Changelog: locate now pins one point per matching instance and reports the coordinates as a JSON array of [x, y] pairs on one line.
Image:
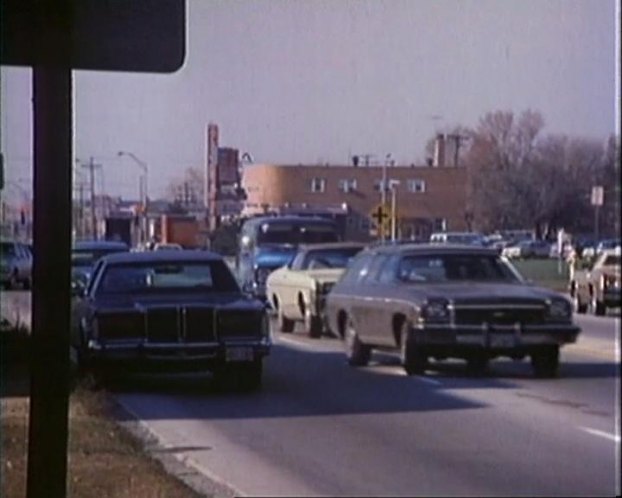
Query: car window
[[374, 268], [612, 260], [357, 269], [454, 267], [389, 269], [167, 276], [297, 262], [329, 258]]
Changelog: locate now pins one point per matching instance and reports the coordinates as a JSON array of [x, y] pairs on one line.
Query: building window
[[318, 185], [347, 185], [364, 224], [416, 186]]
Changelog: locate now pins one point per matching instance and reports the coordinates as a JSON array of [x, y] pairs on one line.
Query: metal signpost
[[54, 37]]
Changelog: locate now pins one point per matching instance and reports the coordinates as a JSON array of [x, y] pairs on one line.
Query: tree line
[[522, 178]]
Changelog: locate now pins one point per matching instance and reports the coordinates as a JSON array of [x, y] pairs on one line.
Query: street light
[[142, 188]]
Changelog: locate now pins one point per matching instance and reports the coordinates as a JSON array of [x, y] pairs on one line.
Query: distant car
[[528, 249], [15, 265], [598, 284], [85, 253], [447, 301], [607, 244], [175, 310], [167, 246], [470, 238], [297, 292]]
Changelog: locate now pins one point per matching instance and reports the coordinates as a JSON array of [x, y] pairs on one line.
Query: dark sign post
[[54, 36], [49, 365]]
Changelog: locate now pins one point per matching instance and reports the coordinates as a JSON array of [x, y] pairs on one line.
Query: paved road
[[320, 427]]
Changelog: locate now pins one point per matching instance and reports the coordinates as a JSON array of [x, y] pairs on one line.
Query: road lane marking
[[606, 435], [427, 380]]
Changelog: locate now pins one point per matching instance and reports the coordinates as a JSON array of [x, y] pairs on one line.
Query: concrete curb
[[178, 465]]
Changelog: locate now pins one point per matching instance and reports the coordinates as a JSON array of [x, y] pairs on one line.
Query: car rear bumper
[[143, 356], [494, 339]]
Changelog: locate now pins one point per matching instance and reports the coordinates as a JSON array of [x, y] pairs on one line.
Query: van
[[269, 242]]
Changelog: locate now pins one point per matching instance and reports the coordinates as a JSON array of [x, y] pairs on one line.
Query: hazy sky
[[302, 81]]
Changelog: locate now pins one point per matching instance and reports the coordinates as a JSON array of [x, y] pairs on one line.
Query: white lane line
[[427, 380], [606, 435], [303, 345]]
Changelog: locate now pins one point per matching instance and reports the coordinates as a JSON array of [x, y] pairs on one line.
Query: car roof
[[288, 219], [91, 245], [435, 249], [331, 245], [162, 257]]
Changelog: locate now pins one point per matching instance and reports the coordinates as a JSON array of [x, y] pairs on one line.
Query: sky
[[310, 81]]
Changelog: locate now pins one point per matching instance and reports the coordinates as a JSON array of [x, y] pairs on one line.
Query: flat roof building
[[428, 198]]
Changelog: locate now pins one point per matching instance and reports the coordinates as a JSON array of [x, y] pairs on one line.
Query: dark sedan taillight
[[120, 325]]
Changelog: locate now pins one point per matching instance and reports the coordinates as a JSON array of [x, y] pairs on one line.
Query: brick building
[[428, 198]]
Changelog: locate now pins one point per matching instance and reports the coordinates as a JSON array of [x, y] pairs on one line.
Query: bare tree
[[188, 188]]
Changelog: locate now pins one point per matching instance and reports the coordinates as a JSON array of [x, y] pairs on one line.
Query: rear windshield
[[85, 257], [213, 276], [454, 267], [612, 260], [329, 258]]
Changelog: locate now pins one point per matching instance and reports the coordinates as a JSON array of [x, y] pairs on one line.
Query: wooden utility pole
[[91, 166]]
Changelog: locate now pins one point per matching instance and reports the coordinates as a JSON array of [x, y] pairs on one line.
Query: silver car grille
[[495, 314]]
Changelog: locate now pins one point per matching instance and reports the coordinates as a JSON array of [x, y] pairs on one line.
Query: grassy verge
[[104, 459], [544, 272]]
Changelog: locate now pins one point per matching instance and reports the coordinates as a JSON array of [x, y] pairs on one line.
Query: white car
[[297, 292]]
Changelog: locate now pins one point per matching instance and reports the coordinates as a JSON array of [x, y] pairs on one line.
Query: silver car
[[15, 265]]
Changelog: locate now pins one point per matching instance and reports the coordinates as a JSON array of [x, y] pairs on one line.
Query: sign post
[[597, 198], [381, 217]]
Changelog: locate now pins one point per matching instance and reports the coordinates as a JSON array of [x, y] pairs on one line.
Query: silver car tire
[[357, 353]]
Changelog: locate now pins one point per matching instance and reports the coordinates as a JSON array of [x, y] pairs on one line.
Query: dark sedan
[[170, 310], [447, 301], [85, 253]]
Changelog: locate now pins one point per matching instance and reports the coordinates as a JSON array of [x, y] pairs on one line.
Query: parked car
[[15, 265], [447, 301], [176, 310], [85, 254], [298, 291], [597, 284], [528, 249]]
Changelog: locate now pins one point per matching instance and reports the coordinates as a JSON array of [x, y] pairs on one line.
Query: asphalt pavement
[[320, 427]]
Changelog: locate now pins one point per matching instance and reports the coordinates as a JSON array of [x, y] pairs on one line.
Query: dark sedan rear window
[[167, 276], [454, 267]]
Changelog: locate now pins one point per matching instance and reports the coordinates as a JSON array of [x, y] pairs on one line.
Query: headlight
[[560, 309], [435, 311]]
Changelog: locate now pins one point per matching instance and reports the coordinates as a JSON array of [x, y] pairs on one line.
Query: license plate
[[239, 354], [502, 341]]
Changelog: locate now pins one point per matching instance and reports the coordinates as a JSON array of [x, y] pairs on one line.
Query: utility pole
[[92, 167]]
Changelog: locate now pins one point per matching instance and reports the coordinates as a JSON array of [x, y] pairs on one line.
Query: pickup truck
[[597, 285]]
